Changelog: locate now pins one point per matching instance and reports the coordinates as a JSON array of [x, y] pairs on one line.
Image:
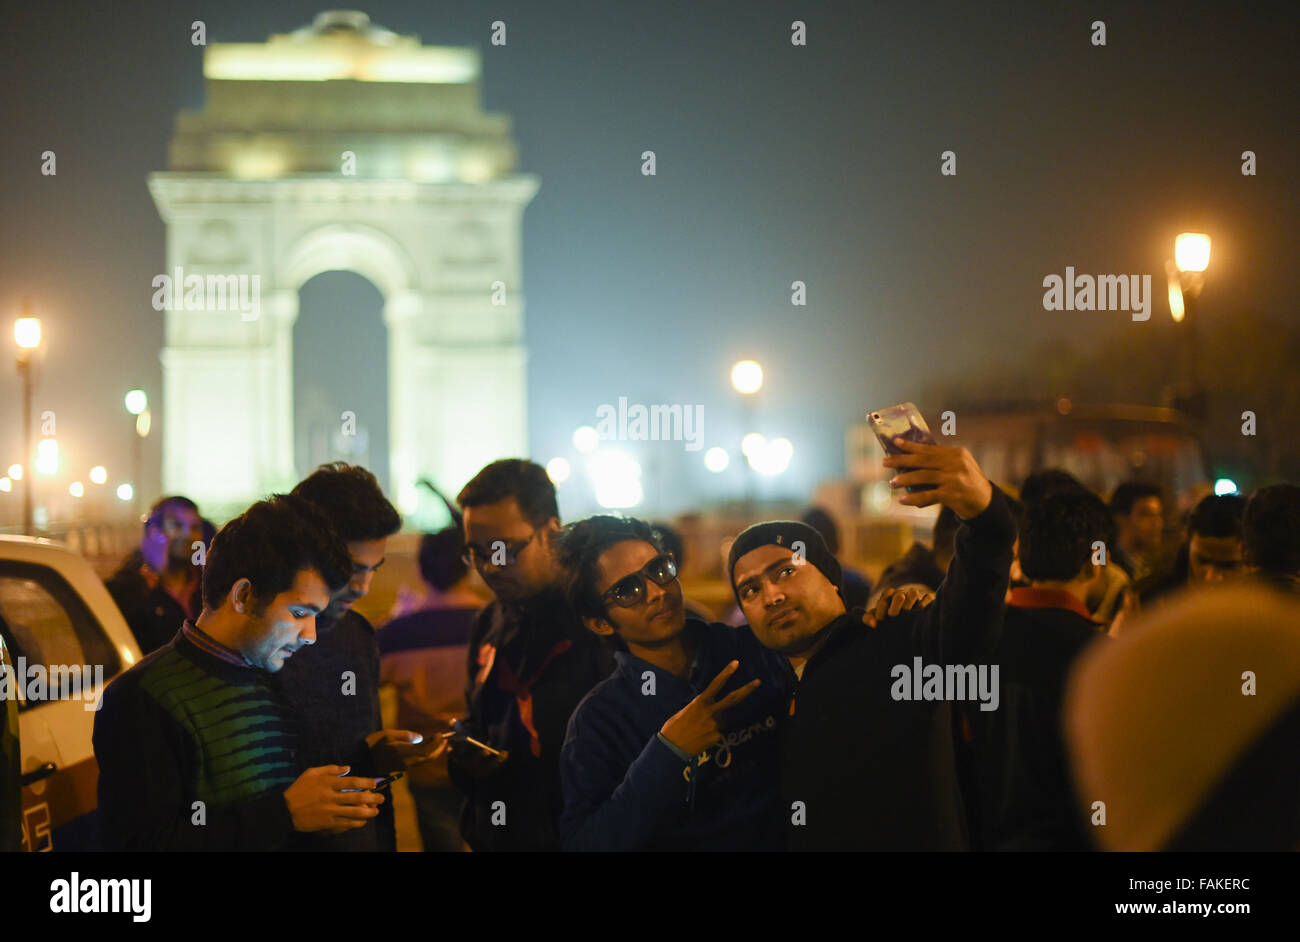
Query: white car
[[66, 640]]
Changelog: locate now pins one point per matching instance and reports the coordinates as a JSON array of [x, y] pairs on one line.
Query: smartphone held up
[[901, 421]]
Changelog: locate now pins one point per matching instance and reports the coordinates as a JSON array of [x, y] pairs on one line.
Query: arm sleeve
[[460, 772], [145, 801], [966, 615], [607, 808]]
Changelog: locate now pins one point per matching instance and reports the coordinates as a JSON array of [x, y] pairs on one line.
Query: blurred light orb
[[47, 456], [27, 332], [98, 474], [618, 479], [752, 444], [558, 470], [136, 401], [586, 439], [76, 489], [1192, 251], [1177, 308], [747, 377], [716, 459], [16, 472], [1225, 486], [6, 485], [125, 492], [773, 458]]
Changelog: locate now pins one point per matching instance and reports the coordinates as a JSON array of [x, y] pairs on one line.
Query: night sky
[[775, 163]]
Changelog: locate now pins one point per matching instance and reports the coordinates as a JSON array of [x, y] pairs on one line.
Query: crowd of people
[[981, 696]]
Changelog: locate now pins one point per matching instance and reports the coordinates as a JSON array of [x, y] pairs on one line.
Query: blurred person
[[1046, 482], [869, 767], [530, 662], [676, 547], [678, 749], [1212, 551], [1186, 727], [1023, 783], [1271, 536], [195, 750], [1138, 509], [422, 653], [921, 564], [332, 688], [857, 587], [159, 585], [1113, 597]]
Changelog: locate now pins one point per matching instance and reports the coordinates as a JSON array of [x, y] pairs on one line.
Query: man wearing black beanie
[[867, 763]]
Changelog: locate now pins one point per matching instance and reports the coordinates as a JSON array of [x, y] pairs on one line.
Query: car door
[[62, 658]]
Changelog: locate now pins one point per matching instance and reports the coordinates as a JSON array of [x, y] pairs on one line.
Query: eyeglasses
[[631, 589], [474, 555]]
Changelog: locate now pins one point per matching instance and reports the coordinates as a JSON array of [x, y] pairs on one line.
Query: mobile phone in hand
[[901, 421], [387, 780]]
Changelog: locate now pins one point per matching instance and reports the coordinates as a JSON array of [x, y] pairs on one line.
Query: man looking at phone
[[530, 663], [862, 770], [332, 687], [195, 750]]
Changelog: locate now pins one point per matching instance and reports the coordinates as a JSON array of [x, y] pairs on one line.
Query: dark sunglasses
[[631, 589]]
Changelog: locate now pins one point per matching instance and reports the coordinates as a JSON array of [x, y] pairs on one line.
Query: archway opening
[[340, 375]]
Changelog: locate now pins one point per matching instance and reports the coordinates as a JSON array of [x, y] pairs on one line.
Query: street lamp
[[1186, 276], [27, 334], [747, 377], [137, 403]]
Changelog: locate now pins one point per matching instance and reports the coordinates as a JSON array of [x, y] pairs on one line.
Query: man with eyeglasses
[[530, 663]]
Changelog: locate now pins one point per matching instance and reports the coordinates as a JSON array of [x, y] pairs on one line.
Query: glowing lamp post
[[1186, 276], [137, 403], [27, 335]]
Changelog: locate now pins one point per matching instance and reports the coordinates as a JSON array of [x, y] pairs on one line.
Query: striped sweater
[[195, 752]]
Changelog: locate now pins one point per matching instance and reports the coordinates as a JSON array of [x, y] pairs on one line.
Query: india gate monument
[[342, 146]]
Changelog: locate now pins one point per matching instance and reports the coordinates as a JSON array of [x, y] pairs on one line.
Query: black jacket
[[153, 616], [1025, 794], [871, 772], [332, 690], [529, 667]]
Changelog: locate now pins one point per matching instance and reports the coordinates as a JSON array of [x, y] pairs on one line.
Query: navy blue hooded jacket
[[624, 789]]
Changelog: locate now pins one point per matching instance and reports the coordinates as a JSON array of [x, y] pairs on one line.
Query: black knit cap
[[786, 533]]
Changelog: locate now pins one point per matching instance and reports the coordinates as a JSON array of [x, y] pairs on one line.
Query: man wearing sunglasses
[[678, 749], [863, 765], [530, 663]]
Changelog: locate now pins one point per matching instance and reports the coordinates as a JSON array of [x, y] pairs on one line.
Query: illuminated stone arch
[[432, 217]]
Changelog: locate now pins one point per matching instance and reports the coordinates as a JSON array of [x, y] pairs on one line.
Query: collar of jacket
[[1032, 597]]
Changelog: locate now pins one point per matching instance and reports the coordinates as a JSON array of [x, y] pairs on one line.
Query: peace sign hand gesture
[[695, 727]]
